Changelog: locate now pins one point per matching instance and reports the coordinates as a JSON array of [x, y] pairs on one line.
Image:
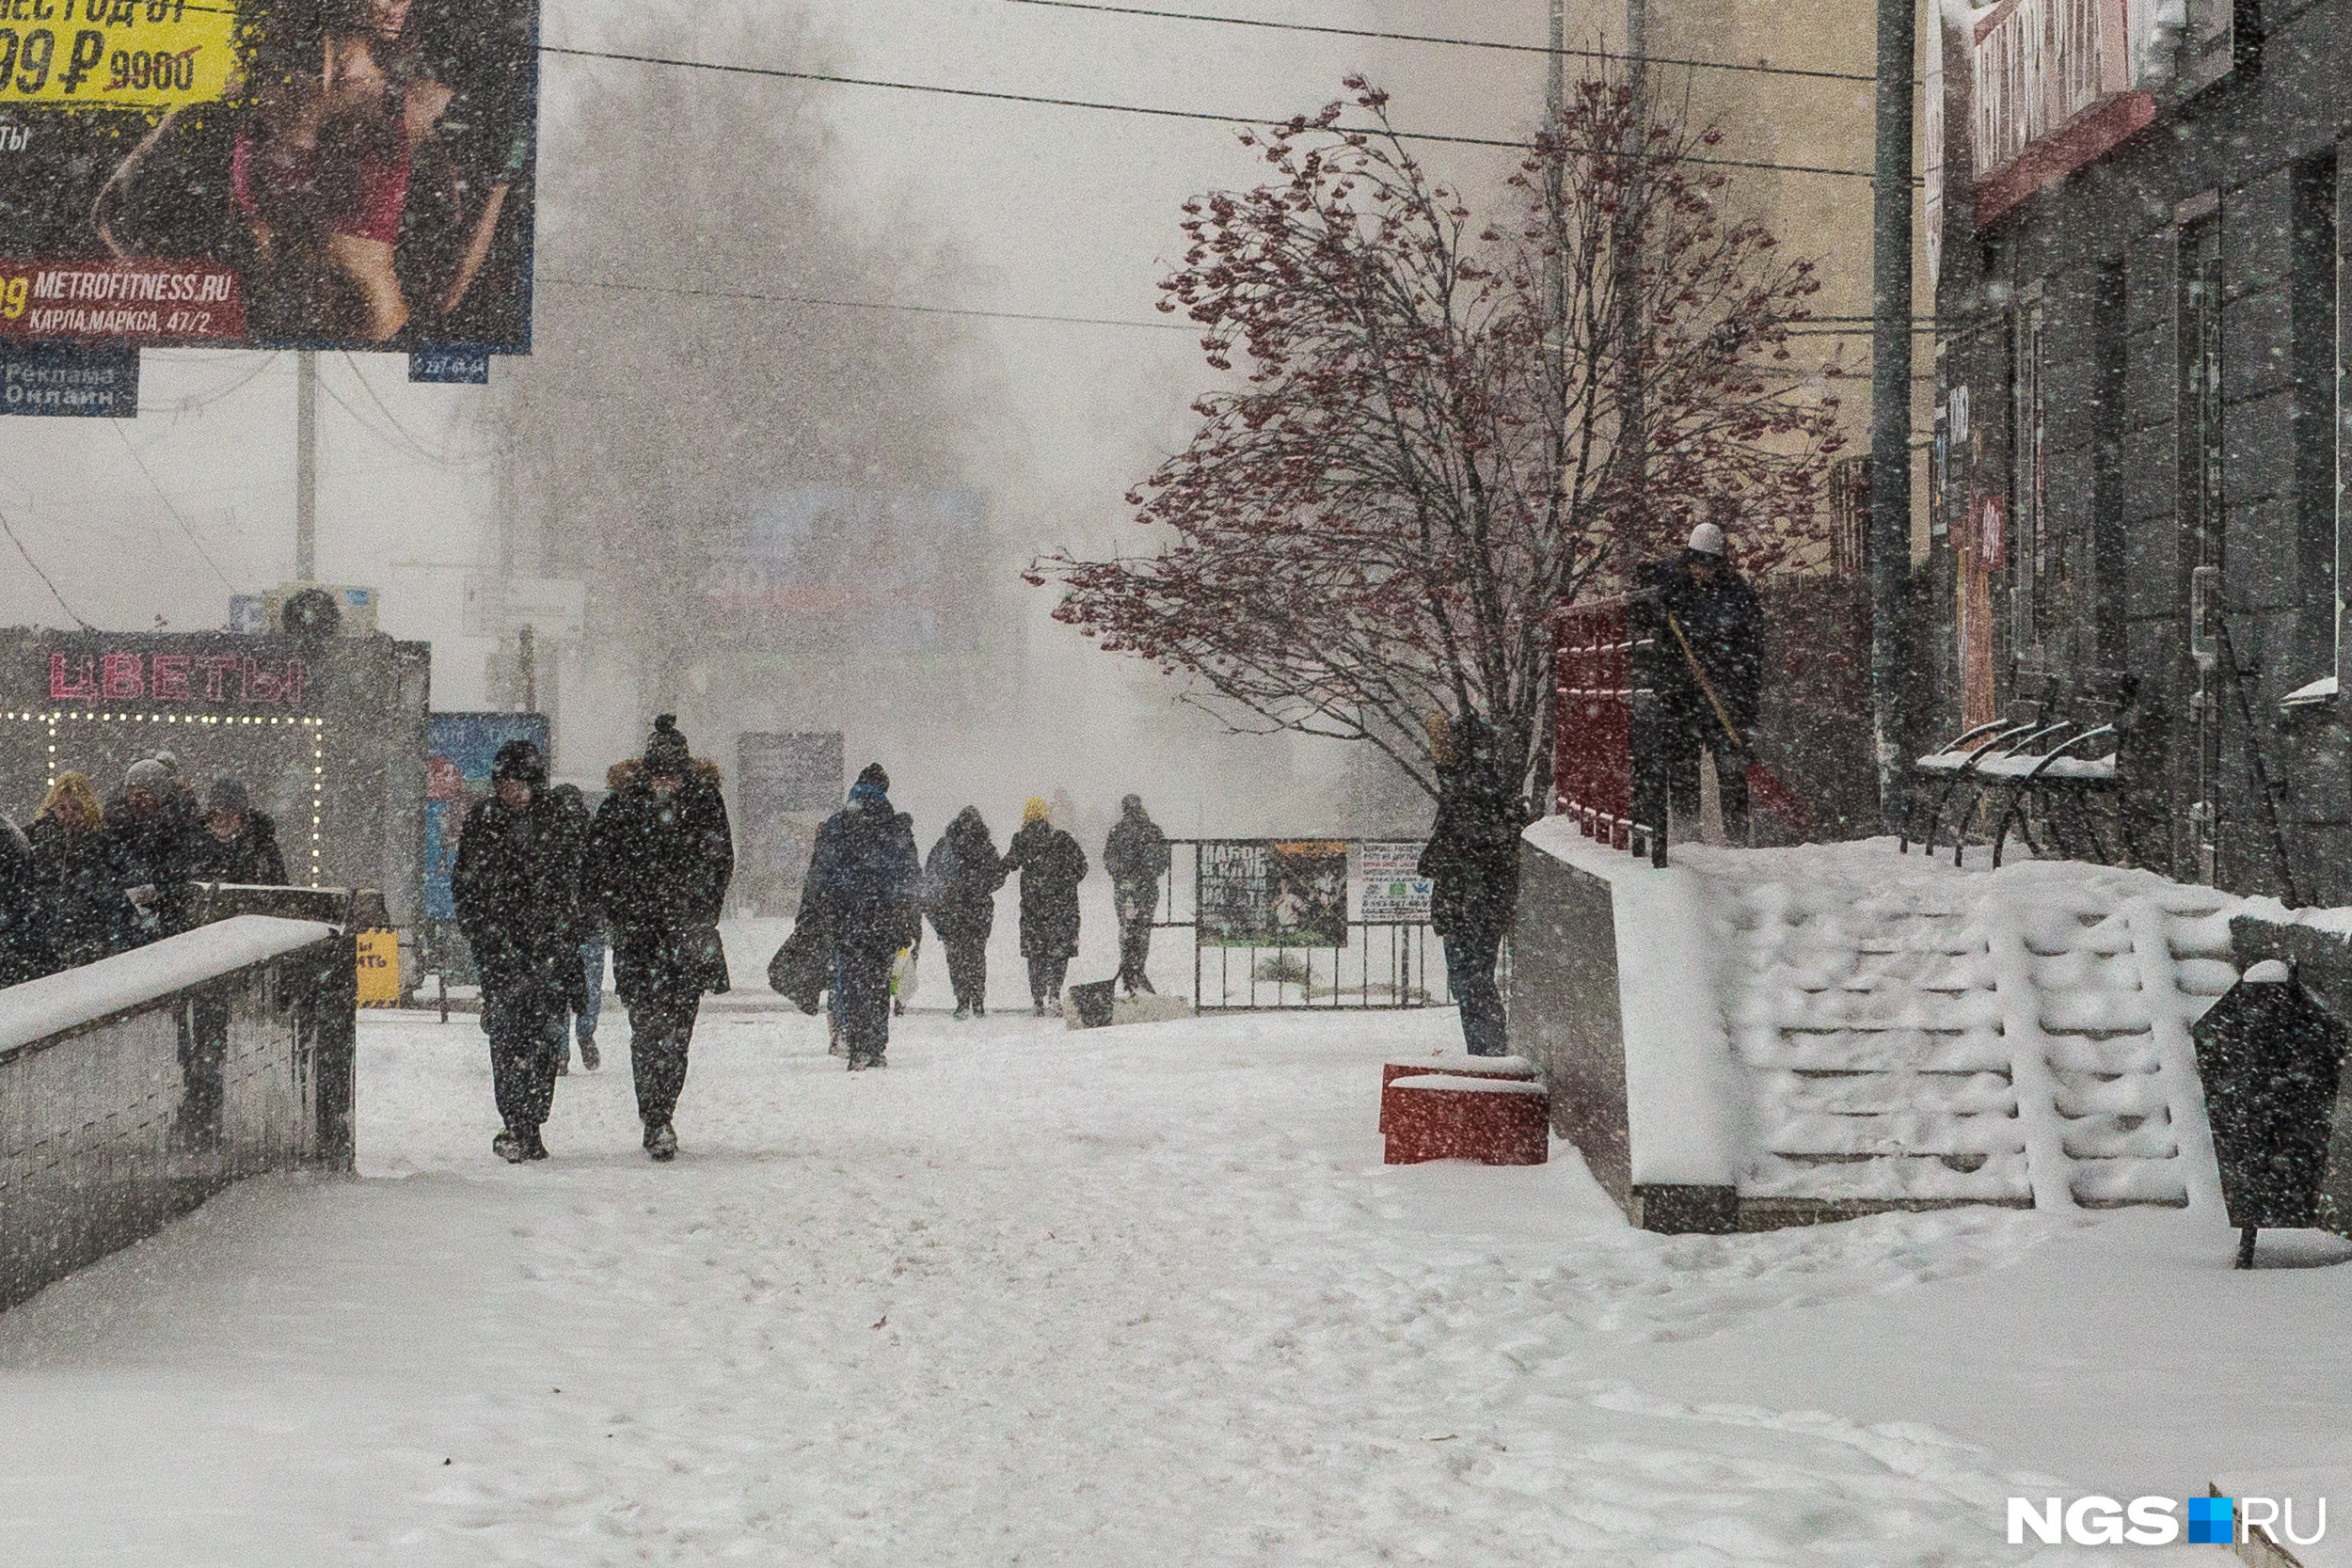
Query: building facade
[[2140, 429]]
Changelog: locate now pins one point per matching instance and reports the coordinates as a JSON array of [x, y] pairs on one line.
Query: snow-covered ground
[[1142, 1296]]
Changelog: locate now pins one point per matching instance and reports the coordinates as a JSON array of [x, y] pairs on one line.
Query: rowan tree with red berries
[[1428, 447]]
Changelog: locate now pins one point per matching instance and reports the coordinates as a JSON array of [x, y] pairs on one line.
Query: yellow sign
[[116, 53], [379, 968]]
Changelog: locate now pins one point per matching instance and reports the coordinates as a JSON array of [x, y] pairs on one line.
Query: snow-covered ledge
[[58, 1004]]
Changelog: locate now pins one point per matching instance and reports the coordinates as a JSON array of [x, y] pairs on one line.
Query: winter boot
[[661, 1141], [535, 1148], [857, 1064], [564, 1066], [590, 1057], [509, 1147]]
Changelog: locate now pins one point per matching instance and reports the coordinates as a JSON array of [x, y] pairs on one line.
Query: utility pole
[[1890, 398], [1633, 327], [306, 466]]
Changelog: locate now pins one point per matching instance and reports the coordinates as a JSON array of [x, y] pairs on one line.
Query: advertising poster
[[1394, 889], [787, 785], [63, 381], [328, 173], [1256, 893], [460, 748]]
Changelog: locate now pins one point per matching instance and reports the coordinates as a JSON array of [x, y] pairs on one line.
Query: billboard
[[786, 786], [1255, 893], [902, 573], [327, 173]]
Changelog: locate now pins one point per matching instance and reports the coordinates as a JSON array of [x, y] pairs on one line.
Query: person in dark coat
[[961, 877], [151, 833], [1051, 865], [238, 844], [84, 915], [1472, 862], [660, 860], [1136, 858], [865, 890], [1722, 621], [588, 996], [517, 887], [24, 924]]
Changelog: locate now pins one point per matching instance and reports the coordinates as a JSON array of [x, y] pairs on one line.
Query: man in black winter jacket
[[660, 857], [865, 889], [1472, 862], [517, 887], [1707, 620], [1136, 858], [150, 838], [238, 844]]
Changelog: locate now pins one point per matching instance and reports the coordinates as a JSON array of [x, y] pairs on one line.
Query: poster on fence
[[1258, 892], [1394, 889]]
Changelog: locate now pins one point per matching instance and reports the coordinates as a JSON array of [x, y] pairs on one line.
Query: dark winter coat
[[23, 922], [960, 877], [159, 852], [517, 887], [1724, 625], [251, 856], [1051, 865], [1472, 857], [1136, 856], [83, 914], [658, 870], [865, 887]]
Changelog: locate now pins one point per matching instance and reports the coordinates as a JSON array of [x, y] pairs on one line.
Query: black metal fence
[[1275, 932]]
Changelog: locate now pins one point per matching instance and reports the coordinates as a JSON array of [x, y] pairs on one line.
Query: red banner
[[121, 301]]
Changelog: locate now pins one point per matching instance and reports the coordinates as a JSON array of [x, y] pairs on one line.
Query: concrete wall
[[113, 1124]]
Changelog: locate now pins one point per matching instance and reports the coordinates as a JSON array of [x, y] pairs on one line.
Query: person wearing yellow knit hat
[[1051, 865]]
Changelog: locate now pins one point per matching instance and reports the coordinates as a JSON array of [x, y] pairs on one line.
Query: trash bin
[[2271, 1060]]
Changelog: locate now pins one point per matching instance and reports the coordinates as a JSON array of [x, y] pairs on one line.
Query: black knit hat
[[666, 752], [873, 774], [519, 760]]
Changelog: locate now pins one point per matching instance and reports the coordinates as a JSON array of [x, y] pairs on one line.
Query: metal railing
[[1319, 950]]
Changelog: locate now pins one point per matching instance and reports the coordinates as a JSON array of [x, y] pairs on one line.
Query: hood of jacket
[[628, 775]]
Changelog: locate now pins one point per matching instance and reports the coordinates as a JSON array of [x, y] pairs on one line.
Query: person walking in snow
[[238, 844], [82, 913], [1051, 865], [516, 888], [660, 860], [1136, 858], [1472, 864], [865, 892], [961, 877], [1708, 622]]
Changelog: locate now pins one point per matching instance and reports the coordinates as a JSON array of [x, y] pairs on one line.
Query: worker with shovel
[[1706, 669]]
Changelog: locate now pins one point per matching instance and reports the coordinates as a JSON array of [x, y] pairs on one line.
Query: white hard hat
[[1707, 539]]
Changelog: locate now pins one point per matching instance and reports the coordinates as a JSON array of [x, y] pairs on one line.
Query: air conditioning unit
[[320, 610]]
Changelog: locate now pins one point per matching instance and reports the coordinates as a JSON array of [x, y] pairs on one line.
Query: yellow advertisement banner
[[116, 53], [379, 968]]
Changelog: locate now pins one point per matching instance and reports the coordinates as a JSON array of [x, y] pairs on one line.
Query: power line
[[10, 528], [414, 441], [857, 304], [160, 495], [1431, 37], [779, 74]]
